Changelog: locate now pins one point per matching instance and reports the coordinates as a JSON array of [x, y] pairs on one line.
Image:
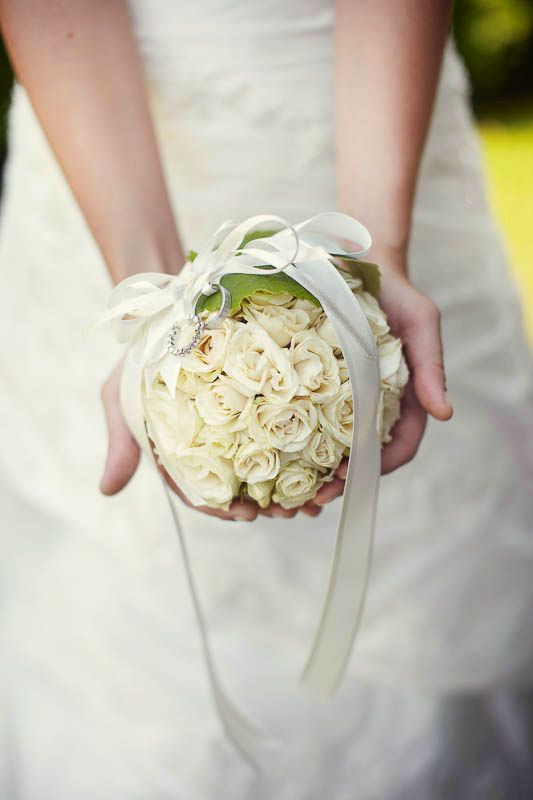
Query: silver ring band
[[225, 305]]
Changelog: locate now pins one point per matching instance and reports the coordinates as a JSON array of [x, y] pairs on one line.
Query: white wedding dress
[[105, 695]]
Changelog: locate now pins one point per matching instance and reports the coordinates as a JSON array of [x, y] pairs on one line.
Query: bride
[[134, 130]]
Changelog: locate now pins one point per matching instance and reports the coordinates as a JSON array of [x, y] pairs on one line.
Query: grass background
[[507, 136]]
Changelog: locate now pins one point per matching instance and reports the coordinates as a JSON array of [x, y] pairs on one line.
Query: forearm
[[78, 61], [387, 61]]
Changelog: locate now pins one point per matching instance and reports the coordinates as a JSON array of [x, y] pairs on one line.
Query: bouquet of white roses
[[263, 404], [254, 371]]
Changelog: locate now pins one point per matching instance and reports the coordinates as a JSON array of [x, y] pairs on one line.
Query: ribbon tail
[[344, 601], [247, 738]]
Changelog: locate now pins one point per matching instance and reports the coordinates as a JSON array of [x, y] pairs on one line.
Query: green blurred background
[[495, 38]]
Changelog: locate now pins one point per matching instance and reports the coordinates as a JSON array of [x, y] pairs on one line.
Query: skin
[[384, 92], [95, 114]]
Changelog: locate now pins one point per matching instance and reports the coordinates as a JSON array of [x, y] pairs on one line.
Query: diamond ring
[[173, 336]]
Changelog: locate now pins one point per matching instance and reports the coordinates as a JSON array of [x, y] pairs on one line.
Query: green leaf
[[191, 255], [250, 237], [367, 272], [241, 286]]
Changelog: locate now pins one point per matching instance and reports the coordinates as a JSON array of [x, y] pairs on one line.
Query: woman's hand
[[123, 458], [416, 320]]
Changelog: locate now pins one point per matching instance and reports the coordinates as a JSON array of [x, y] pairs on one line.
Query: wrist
[[151, 255], [390, 258], [387, 215]]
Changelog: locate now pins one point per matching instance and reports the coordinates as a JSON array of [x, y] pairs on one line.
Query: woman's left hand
[[416, 320]]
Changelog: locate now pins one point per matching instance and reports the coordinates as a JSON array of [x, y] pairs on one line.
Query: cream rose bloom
[[343, 370], [392, 365], [253, 360], [281, 385], [189, 383], [221, 441], [313, 311], [173, 421], [261, 492], [207, 359], [324, 450], [355, 284], [278, 321], [377, 319], [388, 414], [325, 330], [296, 483], [255, 463], [285, 427], [262, 298], [222, 403], [212, 476], [394, 377], [336, 416], [316, 366]]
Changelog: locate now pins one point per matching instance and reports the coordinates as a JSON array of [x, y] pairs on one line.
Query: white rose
[[260, 492], [255, 463], [313, 311], [296, 483], [221, 441], [324, 329], [377, 319], [324, 450], [316, 366], [343, 370], [208, 356], [253, 359], [263, 298], [285, 427], [355, 284], [211, 476], [280, 322], [223, 403], [392, 366], [336, 416], [281, 384], [189, 382], [388, 414], [173, 421]]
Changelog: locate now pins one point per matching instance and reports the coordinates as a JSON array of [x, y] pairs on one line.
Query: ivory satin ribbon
[[153, 303]]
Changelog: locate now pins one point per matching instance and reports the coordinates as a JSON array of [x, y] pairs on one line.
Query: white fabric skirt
[[105, 690]]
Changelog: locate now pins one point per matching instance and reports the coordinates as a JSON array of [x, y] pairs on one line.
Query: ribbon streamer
[[144, 308]]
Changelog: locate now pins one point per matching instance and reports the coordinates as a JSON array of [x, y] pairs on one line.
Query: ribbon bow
[[146, 307]]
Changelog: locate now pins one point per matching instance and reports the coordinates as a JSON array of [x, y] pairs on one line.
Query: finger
[[246, 513], [239, 510], [406, 434], [423, 347], [311, 509], [342, 469], [329, 492], [123, 452], [275, 510], [243, 510]]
